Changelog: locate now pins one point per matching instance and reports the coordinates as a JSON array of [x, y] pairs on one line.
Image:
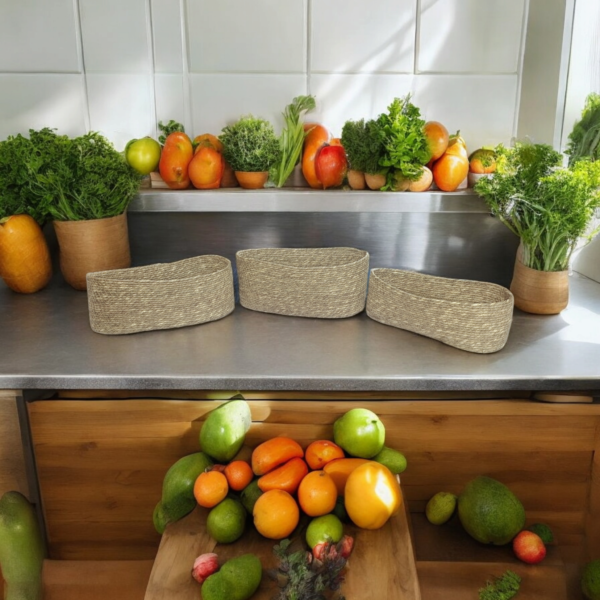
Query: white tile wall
[[257, 36], [206, 63], [348, 37], [38, 101], [219, 100], [461, 36], [38, 36]]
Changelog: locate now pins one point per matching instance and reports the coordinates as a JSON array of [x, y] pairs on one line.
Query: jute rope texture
[[325, 283], [160, 296], [470, 315]]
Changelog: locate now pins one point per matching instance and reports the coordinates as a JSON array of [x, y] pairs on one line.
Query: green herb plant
[[89, 180], [22, 161], [301, 577], [501, 588], [584, 140], [364, 145], [548, 207], [250, 145], [291, 139], [167, 129], [405, 146]]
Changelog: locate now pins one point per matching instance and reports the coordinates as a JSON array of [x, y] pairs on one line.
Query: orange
[[210, 488], [437, 138], [317, 494], [276, 514], [239, 474], [320, 452], [340, 470]]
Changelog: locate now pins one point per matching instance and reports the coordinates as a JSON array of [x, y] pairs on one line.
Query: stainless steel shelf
[[305, 200]]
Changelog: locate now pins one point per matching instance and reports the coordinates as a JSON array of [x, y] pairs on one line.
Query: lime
[[359, 432], [226, 521], [237, 579], [543, 531], [590, 580], [250, 494], [327, 528], [440, 508], [394, 460]]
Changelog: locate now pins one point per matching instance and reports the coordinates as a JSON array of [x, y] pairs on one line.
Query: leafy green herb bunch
[[89, 180], [23, 160], [364, 147], [405, 146], [250, 145], [550, 208], [584, 139]]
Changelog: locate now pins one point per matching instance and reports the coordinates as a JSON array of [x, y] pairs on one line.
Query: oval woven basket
[[161, 296], [326, 283], [470, 315]]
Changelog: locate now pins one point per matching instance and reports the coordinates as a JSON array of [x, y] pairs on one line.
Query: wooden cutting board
[[382, 564]]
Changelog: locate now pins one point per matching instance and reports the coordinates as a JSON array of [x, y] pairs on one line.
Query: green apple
[[359, 432], [143, 155]]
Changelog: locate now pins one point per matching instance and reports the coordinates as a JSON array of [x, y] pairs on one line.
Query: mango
[[237, 579], [224, 430]]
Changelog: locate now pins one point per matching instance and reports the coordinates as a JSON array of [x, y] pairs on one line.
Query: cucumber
[[178, 489], [21, 548]]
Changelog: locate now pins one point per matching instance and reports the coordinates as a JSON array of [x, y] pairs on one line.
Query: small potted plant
[[251, 147], [86, 193], [364, 148], [550, 209]]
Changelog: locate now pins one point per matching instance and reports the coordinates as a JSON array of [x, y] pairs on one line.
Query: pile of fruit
[[283, 488]]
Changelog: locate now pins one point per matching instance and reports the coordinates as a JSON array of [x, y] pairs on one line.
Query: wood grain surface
[[101, 463], [12, 463], [382, 564]]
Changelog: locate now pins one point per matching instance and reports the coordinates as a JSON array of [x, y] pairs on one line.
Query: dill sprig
[[302, 577], [501, 588]]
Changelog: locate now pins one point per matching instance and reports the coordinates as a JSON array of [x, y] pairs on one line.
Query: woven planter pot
[[94, 245], [470, 315], [161, 296], [326, 283]]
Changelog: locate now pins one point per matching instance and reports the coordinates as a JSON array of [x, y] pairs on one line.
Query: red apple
[[529, 547], [331, 165]]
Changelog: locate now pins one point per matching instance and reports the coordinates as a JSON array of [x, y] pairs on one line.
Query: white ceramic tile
[[166, 32], [343, 97], [169, 94], [38, 101], [115, 36], [218, 100], [121, 106], [36, 35], [587, 260], [257, 36], [353, 36], [481, 107], [470, 35]]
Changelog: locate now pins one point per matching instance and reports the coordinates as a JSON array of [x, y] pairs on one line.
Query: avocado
[[237, 579]]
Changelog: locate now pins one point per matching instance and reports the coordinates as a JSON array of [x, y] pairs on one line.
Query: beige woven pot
[[161, 296], [326, 283], [94, 245], [470, 315], [540, 292]]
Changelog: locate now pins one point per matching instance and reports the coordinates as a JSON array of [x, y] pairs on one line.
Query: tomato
[[206, 168], [457, 146], [482, 161], [331, 165], [207, 139], [317, 136], [143, 155], [174, 160], [450, 171], [437, 138]]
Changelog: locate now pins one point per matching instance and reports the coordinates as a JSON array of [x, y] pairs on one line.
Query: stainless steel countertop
[[305, 200], [46, 343]]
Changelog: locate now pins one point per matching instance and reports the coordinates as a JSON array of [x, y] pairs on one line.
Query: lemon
[[226, 521], [440, 508]]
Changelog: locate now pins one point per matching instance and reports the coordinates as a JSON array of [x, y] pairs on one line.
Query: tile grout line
[[520, 67], [187, 111], [150, 33], [87, 117], [308, 46]]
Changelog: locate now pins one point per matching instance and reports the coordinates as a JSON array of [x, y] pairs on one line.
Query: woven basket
[[470, 315], [161, 296], [326, 283]]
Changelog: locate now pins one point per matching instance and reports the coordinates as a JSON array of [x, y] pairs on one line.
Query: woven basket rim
[[507, 294], [241, 253], [114, 275]]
